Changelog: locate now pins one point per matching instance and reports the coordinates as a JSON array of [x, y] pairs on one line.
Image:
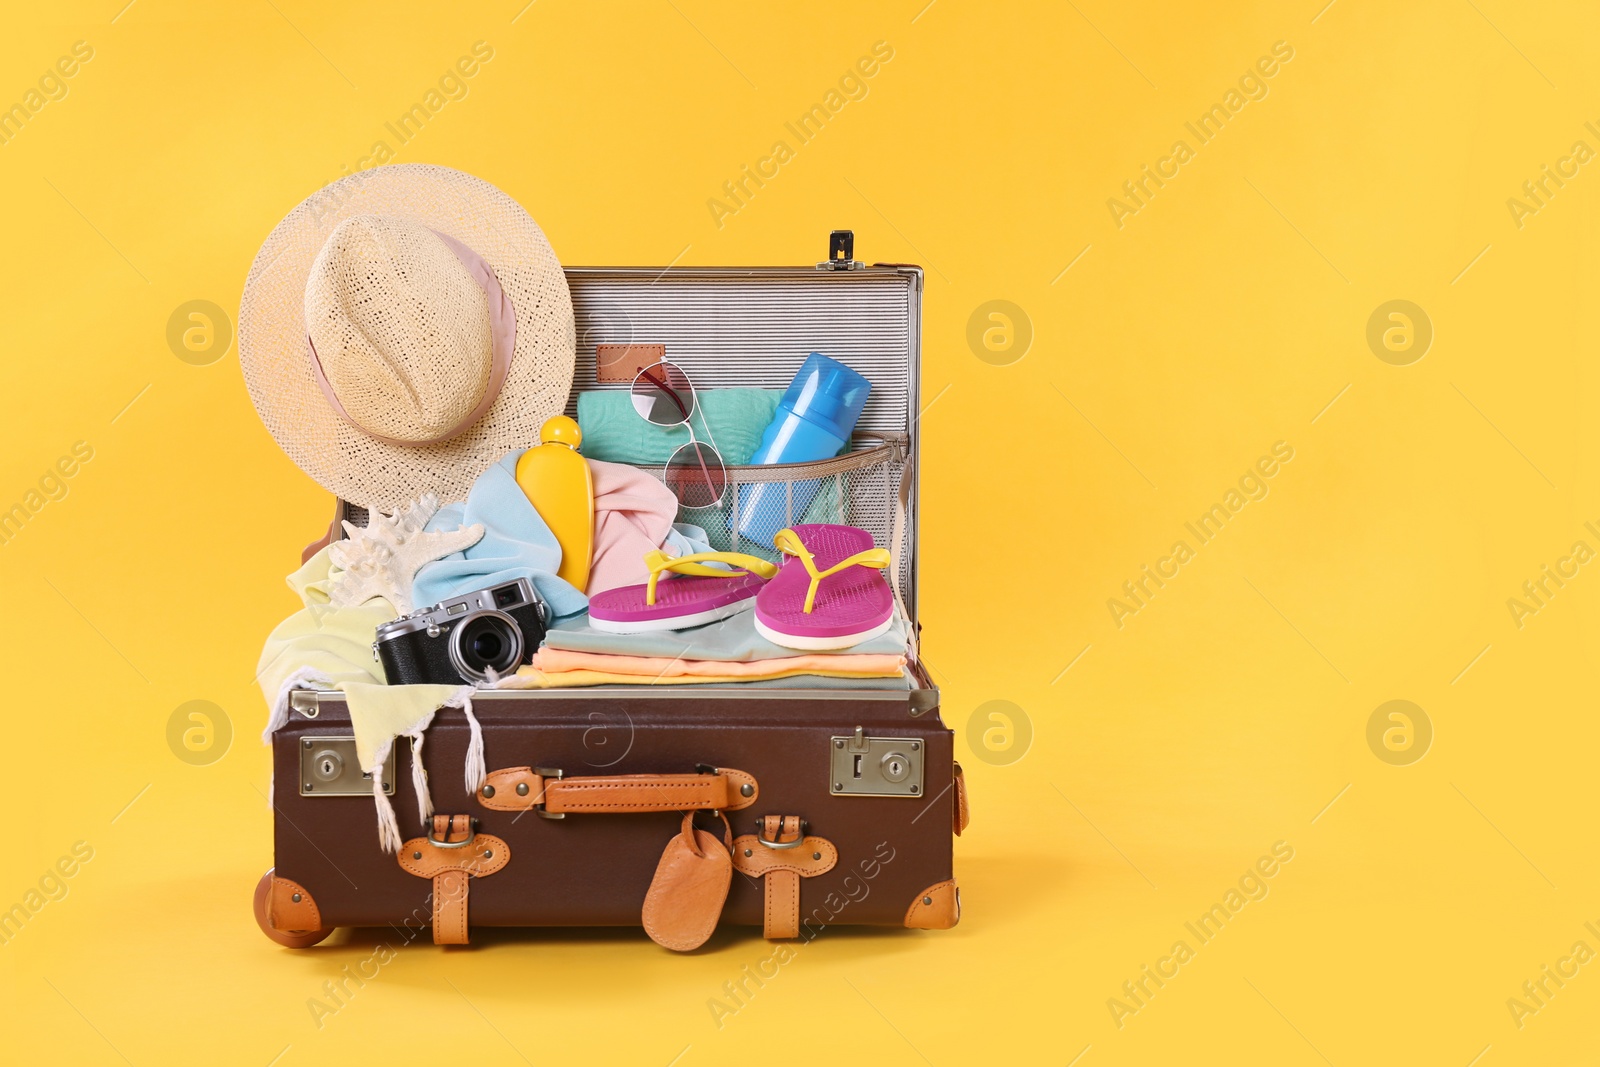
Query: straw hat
[[402, 330]]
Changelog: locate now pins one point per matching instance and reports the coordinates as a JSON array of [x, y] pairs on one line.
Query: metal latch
[[841, 252], [329, 768], [876, 766]]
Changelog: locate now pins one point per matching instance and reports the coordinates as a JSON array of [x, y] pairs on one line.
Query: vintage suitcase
[[840, 803]]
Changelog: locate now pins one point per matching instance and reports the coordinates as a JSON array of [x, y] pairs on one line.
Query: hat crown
[[400, 327]]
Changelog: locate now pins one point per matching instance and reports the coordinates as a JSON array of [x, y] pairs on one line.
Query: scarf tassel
[[476, 770], [388, 825], [419, 779]]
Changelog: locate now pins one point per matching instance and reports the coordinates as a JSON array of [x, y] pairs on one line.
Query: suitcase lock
[[329, 768], [875, 766]]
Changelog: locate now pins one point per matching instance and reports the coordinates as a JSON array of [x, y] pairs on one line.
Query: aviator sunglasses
[[664, 396]]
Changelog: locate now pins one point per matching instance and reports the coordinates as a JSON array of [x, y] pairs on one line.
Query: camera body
[[465, 638]]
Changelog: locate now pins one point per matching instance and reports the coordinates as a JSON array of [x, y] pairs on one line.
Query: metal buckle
[[706, 768], [472, 824], [538, 809], [841, 251], [779, 846]]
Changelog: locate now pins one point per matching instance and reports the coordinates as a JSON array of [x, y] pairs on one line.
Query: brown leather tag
[[686, 895], [622, 363]]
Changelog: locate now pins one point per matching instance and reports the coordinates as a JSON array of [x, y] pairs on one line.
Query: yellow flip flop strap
[[788, 541], [657, 561]]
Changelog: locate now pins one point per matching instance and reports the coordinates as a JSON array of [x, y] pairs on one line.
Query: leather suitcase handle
[[551, 794]]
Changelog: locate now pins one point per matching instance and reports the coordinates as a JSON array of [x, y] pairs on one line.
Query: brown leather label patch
[[622, 363], [813, 856], [686, 895], [483, 857]]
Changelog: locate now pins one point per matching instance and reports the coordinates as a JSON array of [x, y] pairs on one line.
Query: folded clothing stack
[[729, 650]]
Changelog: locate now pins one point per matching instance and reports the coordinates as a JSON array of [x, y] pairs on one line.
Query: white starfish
[[382, 558]]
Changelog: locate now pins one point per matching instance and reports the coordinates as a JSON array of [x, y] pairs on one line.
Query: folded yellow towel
[[322, 646]]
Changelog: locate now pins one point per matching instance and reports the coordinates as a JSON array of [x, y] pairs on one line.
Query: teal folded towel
[[615, 432]]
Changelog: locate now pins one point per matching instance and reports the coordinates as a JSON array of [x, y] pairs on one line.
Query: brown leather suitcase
[[610, 806]]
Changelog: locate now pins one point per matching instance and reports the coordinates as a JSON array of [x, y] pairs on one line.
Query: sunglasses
[[663, 396]]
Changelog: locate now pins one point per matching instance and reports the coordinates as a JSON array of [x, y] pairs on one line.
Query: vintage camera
[[465, 638]]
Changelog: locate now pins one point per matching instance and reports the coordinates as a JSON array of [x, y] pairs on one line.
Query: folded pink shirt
[[863, 665], [633, 514]]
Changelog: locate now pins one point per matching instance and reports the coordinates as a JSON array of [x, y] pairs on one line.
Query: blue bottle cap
[[827, 393]]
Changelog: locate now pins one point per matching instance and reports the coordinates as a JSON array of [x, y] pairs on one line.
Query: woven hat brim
[[272, 347]]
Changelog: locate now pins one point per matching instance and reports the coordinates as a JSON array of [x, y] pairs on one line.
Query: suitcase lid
[[754, 326]]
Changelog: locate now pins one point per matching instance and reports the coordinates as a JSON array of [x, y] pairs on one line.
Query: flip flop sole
[[821, 644], [680, 604], [676, 622]]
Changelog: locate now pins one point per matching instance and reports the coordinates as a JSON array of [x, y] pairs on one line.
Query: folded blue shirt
[[516, 543]]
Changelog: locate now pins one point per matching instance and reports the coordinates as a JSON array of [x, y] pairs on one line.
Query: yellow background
[[1228, 714]]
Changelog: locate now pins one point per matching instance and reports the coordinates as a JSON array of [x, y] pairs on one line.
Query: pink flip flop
[[830, 594], [713, 593]]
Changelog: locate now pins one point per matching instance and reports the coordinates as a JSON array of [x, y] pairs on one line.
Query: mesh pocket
[[860, 488]]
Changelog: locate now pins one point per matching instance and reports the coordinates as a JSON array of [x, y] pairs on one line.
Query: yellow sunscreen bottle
[[558, 484]]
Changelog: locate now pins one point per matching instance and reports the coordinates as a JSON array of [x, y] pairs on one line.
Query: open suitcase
[[839, 803]]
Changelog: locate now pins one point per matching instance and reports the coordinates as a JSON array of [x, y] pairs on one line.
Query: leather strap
[[963, 814], [781, 916], [450, 908], [524, 789], [781, 855], [452, 855]]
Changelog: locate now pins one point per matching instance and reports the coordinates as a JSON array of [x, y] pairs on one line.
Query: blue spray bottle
[[814, 421]]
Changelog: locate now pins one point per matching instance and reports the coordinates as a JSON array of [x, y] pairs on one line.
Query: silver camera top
[[507, 596]]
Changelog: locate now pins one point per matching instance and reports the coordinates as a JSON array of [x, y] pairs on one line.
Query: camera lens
[[487, 641]]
